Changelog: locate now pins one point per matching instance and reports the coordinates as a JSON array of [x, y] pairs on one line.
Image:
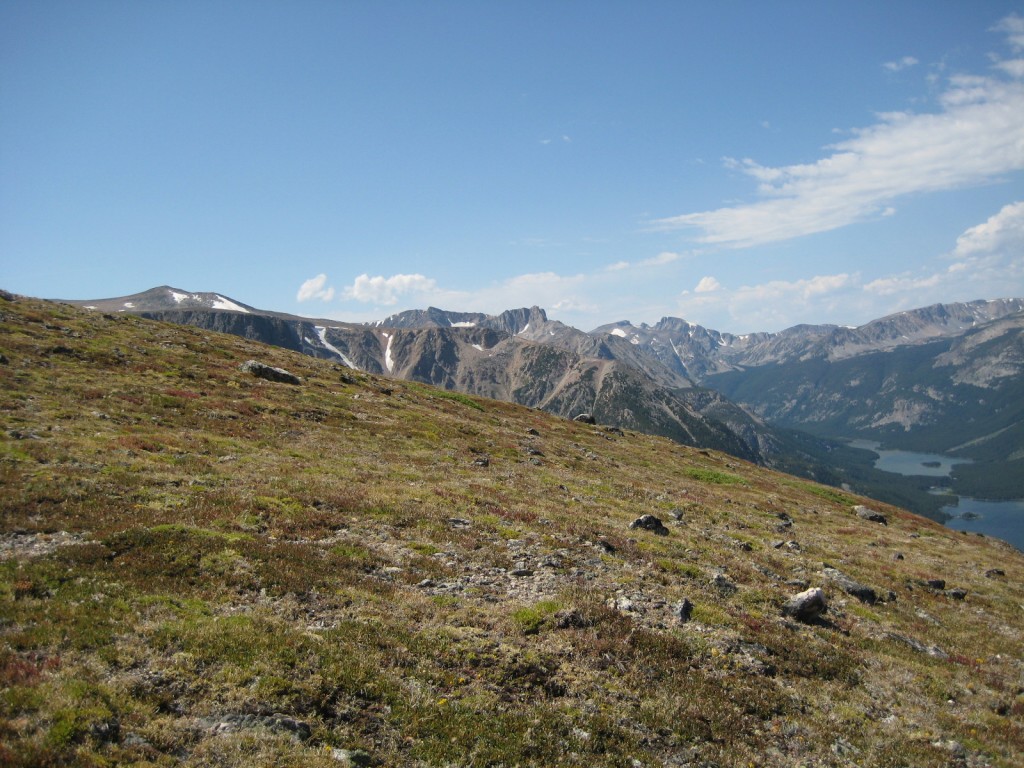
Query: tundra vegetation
[[202, 567]]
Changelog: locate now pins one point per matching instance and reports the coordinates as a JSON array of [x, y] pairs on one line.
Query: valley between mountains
[[299, 560]]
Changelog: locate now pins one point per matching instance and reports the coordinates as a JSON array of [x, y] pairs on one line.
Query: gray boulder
[[649, 523], [585, 418], [806, 606], [862, 592], [870, 515], [269, 372]]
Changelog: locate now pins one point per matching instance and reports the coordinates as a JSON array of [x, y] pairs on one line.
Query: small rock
[[585, 418], [649, 523], [993, 573], [957, 593], [684, 610], [458, 522], [352, 757], [862, 592], [426, 583], [936, 583], [869, 514], [722, 584], [897, 556], [571, 620], [531, 451], [676, 514], [533, 432], [482, 461], [807, 605], [606, 546], [269, 372]]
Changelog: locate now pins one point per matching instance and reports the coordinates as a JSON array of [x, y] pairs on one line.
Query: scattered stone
[[269, 372], [352, 757], [936, 583], [520, 570], [107, 731], [427, 583], [482, 461], [606, 546], [684, 610], [621, 604], [533, 432], [897, 556], [458, 522], [993, 573], [870, 515], [566, 619], [932, 650], [585, 418], [843, 748], [276, 722], [955, 748], [778, 544], [792, 546], [807, 605], [614, 431], [676, 514], [722, 584], [649, 523], [862, 592], [957, 593], [3, 359], [531, 451]]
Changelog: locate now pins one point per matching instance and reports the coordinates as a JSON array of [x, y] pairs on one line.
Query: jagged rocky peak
[[432, 317]]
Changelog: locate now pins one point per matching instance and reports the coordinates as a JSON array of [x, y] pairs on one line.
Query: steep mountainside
[[207, 563]]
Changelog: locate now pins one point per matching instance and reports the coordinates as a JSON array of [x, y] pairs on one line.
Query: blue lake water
[[908, 462], [1001, 519]]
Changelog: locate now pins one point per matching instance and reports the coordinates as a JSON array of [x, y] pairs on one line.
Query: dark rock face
[[269, 372], [806, 606]]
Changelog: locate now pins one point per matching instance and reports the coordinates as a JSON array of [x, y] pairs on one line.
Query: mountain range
[[943, 378]]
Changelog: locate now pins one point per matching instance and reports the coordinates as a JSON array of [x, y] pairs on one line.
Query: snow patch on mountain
[[222, 303], [321, 331]]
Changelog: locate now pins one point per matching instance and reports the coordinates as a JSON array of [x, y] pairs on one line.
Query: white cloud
[[385, 291], [663, 258], [707, 285], [1002, 232], [314, 288], [977, 135], [1013, 27], [904, 63], [985, 262]]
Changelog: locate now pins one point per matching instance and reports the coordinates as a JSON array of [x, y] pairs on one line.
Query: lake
[[908, 462], [1001, 519]]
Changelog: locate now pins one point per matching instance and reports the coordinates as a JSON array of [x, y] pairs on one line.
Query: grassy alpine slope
[[201, 567]]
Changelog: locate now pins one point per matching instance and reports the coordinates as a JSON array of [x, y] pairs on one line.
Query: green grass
[[332, 554]]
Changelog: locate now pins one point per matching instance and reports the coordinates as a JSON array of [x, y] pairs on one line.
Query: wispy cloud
[[663, 258], [385, 291], [985, 262], [315, 288], [976, 135], [901, 64]]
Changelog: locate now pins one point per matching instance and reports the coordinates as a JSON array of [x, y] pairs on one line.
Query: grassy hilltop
[[202, 567]]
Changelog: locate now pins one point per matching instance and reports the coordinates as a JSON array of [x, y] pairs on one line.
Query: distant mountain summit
[[165, 297]]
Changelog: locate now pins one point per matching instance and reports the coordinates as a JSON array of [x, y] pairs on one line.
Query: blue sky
[[743, 165]]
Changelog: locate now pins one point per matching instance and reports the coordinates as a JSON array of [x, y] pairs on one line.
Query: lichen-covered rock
[[807, 605], [862, 592], [269, 372], [870, 515]]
